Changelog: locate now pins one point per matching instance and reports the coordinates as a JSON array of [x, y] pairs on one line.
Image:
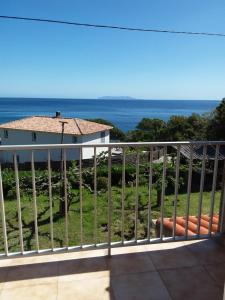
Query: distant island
[[116, 98]]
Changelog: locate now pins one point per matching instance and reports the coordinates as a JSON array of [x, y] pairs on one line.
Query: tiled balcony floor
[[181, 270]]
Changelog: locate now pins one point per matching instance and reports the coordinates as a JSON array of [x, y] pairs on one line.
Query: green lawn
[[88, 217]]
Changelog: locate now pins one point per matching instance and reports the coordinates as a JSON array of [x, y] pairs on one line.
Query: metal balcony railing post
[[137, 197], [215, 171], [176, 191], [150, 193], [65, 198], [202, 181], [34, 201], [123, 194], [163, 191], [81, 196], [95, 197], [50, 200], [18, 201], [109, 199], [2, 208], [189, 191], [221, 227]]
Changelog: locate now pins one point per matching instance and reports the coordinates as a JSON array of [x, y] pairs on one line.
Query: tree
[[216, 126], [169, 180], [148, 130], [115, 133], [181, 128], [135, 136], [198, 126], [153, 128], [177, 128]]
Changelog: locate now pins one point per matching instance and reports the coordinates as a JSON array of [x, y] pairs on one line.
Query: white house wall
[[19, 137], [94, 139]]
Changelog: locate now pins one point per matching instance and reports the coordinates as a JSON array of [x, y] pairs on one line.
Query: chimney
[[58, 114]]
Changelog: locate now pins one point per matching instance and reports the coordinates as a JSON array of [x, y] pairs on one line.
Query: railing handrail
[[110, 145]]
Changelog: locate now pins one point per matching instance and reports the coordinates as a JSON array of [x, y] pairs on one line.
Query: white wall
[[19, 137], [94, 139]]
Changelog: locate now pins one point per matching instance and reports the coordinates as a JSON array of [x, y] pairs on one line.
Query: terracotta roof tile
[[53, 125], [192, 224]]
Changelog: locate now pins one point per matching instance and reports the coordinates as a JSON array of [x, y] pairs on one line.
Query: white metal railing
[[137, 149]]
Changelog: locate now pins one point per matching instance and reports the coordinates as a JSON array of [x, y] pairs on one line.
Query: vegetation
[[195, 127], [88, 217], [216, 125], [116, 134], [73, 189], [177, 128]]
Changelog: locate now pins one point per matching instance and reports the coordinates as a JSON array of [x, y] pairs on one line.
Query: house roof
[[192, 224], [72, 126], [198, 152]]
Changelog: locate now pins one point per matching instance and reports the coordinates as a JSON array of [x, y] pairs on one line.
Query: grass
[[88, 216]]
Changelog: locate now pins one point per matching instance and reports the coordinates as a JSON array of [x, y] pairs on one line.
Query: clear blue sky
[[47, 60]]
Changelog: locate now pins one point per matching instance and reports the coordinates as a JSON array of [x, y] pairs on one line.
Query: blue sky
[[47, 60]]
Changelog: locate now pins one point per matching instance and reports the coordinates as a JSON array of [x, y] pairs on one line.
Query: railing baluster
[[65, 198], [150, 193], [109, 199], [123, 192], [137, 195], [221, 227], [2, 207], [163, 191], [95, 197], [81, 197], [215, 171], [176, 191], [18, 203], [202, 181], [50, 199], [189, 191], [34, 201]]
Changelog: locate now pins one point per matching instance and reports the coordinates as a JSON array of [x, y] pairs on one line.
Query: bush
[[102, 183]]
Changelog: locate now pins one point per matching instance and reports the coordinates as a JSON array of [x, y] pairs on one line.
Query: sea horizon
[[109, 99], [125, 116]]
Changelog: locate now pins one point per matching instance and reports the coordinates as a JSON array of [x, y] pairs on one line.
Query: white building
[[48, 130]]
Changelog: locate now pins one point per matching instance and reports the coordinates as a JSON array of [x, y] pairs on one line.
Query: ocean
[[123, 113]]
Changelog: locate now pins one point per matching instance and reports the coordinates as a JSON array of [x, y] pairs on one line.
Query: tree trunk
[[159, 192]]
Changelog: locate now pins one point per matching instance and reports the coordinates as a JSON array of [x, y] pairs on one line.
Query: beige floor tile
[[172, 245], [3, 275], [128, 249], [24, 260], [173, 258], [190, 283], [93, 289], [83, 268], [34, 292], [139, 286], [28, 274], [207, 251], [193, 241], [51, 257], [130, 263], [90, 253], [217, 272]]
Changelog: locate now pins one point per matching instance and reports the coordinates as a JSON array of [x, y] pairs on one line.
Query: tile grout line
[[210, 275], [165, 285], [158, 272]]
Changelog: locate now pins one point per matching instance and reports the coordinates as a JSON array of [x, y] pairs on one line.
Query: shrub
[[102, 183]]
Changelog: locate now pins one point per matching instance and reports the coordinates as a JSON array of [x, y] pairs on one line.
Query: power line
[[114, 27]]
